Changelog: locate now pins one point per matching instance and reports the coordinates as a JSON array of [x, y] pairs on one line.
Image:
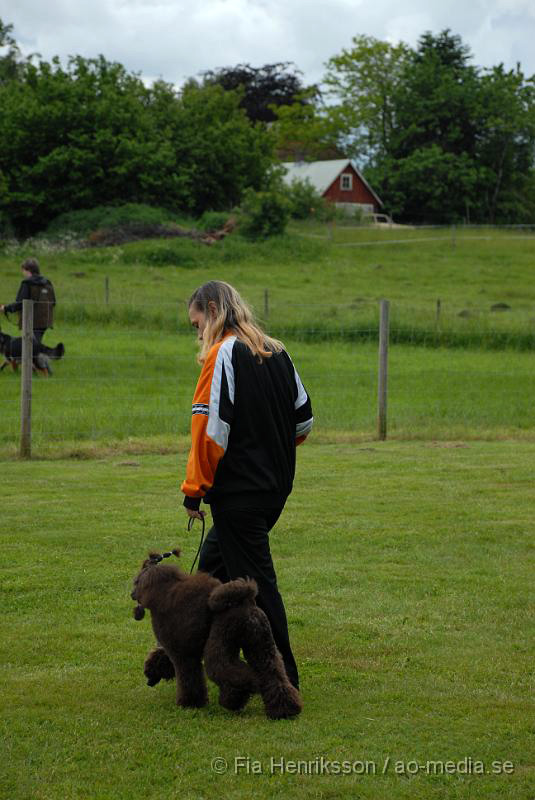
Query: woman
[[250, 410]]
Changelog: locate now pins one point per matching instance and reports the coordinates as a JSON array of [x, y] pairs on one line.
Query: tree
[[219, 152], [10, 61], [307, 129], [440, 139], [431, 185], [437, 97], [262, 89], [482, 123], [506, 144], [71, 138], [94, 134], [363, 82]]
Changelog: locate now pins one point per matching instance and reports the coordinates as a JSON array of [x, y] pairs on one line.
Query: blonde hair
[[231, 314]]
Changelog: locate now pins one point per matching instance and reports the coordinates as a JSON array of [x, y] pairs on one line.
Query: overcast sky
[[176, 39]]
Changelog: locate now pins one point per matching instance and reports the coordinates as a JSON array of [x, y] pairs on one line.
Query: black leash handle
[[190, 526]]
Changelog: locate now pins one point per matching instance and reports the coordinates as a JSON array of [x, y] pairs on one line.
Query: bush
[[131, 232], [304, 199], [306, 202], [183, 253], [263, 214], [85, 221], [212, 220]]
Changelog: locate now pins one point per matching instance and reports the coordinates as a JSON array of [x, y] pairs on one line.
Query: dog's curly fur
[[196, 616]]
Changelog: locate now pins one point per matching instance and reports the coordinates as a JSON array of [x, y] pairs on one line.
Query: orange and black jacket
[[247, 418]]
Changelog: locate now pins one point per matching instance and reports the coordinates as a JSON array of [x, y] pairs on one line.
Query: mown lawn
[[407, 571], [407, 567]]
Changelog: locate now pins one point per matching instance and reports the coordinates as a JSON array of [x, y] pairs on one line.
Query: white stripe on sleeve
[[217, 429], [302, 396], [304, 428]]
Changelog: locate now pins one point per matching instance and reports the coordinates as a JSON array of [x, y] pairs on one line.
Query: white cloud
[[175, 39]]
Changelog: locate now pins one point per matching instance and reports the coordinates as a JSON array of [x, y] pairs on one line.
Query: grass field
[[407, 571], [318, 287], [406, 566], [109, 388]]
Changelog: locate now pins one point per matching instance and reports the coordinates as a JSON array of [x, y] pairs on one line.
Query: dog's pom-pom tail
[[176, 552], [232, 594], [139, 612]]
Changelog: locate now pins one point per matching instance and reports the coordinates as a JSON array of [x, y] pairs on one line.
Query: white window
[[346, 182]]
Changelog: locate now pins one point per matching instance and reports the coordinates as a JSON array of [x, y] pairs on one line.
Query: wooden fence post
[[106, 290], [266, 303], [383, 370], [26, 380]]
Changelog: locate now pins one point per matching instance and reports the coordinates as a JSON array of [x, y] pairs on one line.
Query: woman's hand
[[195, 514]]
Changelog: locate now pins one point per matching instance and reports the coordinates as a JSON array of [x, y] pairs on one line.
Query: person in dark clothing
[[36, 287], [250, 411]]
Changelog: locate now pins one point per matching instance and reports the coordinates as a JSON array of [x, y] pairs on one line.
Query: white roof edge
[[366, 184]]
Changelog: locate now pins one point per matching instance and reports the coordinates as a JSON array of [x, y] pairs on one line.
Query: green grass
[[318, 288], [120, 384], [407, 572], [84, 222], [406, 567]]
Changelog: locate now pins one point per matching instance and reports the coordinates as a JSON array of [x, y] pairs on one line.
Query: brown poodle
[[196, 616]]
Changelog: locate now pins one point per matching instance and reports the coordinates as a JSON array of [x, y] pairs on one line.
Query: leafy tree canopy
[[10, 58], [262, 88], [440, 139], [92, 134], [361, 83]]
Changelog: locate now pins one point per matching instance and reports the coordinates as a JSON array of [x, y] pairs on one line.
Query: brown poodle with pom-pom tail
[[197, 616]]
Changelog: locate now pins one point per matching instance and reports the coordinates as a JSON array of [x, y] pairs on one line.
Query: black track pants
[[237, 546]]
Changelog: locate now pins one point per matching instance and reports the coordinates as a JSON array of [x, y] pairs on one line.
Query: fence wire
[[118, 383]]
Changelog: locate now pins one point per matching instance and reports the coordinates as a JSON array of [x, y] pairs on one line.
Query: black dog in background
[[11, 349]]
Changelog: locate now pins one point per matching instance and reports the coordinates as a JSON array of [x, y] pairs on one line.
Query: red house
[[338, 181]]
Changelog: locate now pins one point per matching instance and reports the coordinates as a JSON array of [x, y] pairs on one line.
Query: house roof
[[321, 173]]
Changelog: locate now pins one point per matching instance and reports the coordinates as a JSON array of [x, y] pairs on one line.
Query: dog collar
[[155, 558]]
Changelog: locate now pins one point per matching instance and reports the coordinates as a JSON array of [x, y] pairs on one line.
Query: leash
[[155, 558], [190, 526]]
